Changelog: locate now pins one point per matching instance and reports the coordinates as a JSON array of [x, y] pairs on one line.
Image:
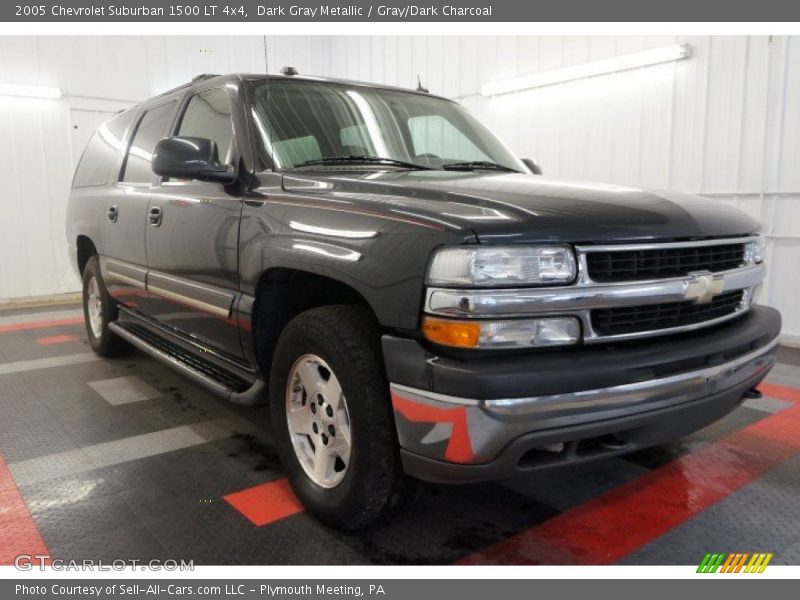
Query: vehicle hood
[[519, 208]]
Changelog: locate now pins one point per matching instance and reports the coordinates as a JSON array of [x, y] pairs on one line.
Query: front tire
[[332, 418], [99, 309]]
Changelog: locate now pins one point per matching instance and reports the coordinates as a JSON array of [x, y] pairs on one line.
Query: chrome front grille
[[669, 294], [653, 317], [661, 263], [714, 277]]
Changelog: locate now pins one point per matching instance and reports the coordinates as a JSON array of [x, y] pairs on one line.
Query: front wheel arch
[[284, 293]]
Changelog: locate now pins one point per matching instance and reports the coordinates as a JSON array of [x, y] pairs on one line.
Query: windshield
[[304, 124]]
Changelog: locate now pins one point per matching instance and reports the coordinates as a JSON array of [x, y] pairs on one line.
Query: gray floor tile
[[123, 390]]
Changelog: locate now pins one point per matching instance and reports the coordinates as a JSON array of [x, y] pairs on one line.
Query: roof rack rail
[[201, 77]]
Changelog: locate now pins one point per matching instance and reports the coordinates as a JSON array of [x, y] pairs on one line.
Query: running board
[[201, 372]]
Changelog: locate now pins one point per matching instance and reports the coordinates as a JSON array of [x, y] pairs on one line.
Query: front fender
[[381, 254]]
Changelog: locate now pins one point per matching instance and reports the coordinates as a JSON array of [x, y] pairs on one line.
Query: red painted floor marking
[[56, 339], [40, 324], [266, 503], [612, 525], [781, 392], [18, 532]]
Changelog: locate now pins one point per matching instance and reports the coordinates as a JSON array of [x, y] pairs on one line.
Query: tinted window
[[435, 135], [298, 121], [152, 128], [208, 115], [298, 150], [100, 157]]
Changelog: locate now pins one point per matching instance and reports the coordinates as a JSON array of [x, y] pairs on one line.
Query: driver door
[[192, 236]]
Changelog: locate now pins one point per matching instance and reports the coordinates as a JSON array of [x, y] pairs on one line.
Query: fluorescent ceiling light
[[30, 91], [624, 62]]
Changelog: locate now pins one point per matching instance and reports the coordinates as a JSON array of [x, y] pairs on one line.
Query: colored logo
[[740, 562]]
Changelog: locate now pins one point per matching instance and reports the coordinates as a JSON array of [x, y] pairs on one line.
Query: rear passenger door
[[125, 267], [192, 237]]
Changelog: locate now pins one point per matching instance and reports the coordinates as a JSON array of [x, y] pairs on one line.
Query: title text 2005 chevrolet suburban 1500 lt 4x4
[[408, 297]]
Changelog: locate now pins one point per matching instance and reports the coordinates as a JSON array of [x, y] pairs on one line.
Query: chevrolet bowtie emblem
[[702, 286]]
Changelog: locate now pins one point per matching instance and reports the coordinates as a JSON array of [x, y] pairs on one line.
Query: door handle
[[113, 213], [154, 216]]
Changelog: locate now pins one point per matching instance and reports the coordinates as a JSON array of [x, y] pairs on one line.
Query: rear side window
[[208, 116], [152, 128], [100, 157]]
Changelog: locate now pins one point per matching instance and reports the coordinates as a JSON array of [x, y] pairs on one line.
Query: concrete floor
[[125, 459]]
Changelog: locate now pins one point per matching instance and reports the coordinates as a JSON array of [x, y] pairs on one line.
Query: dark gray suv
[[410, 299]]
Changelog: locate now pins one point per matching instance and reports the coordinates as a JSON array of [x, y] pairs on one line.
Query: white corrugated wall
[[725, 123], [39, 142]]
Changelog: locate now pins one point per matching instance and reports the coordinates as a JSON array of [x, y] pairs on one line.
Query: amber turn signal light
[[460, 334]]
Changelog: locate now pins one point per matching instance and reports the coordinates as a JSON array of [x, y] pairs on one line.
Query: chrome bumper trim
[[639, 396]]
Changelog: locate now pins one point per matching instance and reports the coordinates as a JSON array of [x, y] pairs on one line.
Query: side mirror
[[190, 158], [533, 166]]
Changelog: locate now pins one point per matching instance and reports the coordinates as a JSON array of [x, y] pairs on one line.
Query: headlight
[[498, 266], [755, 251], [517, 333]]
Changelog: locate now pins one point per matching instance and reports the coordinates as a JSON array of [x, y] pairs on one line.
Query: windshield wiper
[[354, 160], [475, 165]]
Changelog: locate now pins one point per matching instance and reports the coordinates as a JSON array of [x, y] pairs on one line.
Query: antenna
[[266, 69], [266, 62], [419, 85], [267, 90]]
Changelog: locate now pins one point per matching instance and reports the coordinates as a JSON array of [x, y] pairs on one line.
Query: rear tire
[[332, 355], [99, 309]]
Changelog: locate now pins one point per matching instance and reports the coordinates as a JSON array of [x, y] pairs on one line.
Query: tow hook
[[614, 443], [752, 394]]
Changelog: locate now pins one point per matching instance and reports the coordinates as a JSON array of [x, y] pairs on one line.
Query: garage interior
[[126, 459]]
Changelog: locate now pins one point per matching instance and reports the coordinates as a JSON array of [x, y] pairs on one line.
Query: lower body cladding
[[497, 416]]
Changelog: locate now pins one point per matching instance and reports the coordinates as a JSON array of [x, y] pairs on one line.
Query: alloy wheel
[[318, 421], [94, 308]]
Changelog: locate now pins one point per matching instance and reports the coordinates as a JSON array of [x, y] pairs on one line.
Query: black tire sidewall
[[369, 482], [105, 344]]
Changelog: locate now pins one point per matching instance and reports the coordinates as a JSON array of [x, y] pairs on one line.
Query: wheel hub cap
[[318, 420], [94, 308]]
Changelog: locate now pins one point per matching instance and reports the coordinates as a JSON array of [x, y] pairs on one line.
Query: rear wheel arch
[[100, 310], [85, 249]]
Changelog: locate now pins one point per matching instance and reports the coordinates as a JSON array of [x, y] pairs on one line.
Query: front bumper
[[491, 417]]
